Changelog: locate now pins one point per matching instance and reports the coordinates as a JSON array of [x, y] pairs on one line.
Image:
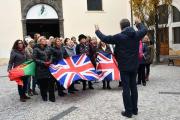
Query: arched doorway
[[50, 21], [43, 19]]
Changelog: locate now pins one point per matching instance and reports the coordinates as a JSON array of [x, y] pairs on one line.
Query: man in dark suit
[[126, 53]]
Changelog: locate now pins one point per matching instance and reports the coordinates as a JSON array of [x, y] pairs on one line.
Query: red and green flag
[[25, 69]]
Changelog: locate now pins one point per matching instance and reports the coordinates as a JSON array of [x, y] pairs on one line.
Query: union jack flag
[[107, 67], [72, 69]]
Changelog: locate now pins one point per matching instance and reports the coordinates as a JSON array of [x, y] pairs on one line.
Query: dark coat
[[41, 56], [16, 58], [84, 49], [58, 54], [126, 46], [88, 50]]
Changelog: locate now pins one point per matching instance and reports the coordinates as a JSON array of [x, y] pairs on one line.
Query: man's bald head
[[124, 23]]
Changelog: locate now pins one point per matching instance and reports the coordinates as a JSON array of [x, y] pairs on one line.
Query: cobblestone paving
[[159, 100]]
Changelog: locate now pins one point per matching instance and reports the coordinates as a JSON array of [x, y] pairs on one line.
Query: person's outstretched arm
[[142, 30]]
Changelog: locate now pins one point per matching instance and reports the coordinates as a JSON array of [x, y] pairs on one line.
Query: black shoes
[[44, 99], [144, 84], [52, 100], [125, 114], [120, 84], [84, 88], [91, 87], [108, 87], [135, 113]]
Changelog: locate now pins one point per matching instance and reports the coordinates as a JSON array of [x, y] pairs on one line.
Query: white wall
[[175, 3], [10, 24], [78, 20]]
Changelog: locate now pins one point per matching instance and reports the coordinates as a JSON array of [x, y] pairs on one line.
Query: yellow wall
[[78, 20], [10, 25]]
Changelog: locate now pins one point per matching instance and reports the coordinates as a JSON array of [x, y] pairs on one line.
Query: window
[[176, 15], [94, 5], [176, 35], [163, 14]]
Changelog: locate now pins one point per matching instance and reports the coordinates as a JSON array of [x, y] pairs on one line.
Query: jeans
[[130, 93]]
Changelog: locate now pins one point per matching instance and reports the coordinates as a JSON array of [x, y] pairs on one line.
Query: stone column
[[61, 27], [24, 27]]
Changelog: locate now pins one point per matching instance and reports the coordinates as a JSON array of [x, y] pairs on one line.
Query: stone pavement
[[159, 100]]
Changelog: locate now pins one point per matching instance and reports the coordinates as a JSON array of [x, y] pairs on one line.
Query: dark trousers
[[106, 83], [47, 85], [141, 74], [71, 87], [130, 93], [147, 67], [60, 88], [85, 84], [22, 89]]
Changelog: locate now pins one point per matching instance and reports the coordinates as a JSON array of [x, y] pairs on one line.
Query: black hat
[[81, 37]]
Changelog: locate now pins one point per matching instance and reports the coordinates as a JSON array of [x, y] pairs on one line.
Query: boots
[[108, 85], [90, 85], [120, 84], [104, 84], [84, 84]]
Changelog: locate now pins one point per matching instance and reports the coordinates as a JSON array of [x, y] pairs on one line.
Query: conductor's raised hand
[[96, 27], [137, 20]]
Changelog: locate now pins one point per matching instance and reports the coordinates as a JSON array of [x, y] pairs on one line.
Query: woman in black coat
[[84, 48], [43, 57], [58, 53], [18, 57]]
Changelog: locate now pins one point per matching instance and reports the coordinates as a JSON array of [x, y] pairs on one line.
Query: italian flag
[[25, 69]]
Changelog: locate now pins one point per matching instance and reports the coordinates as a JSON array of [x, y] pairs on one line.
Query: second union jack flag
[[107, 67], [72, 69]]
